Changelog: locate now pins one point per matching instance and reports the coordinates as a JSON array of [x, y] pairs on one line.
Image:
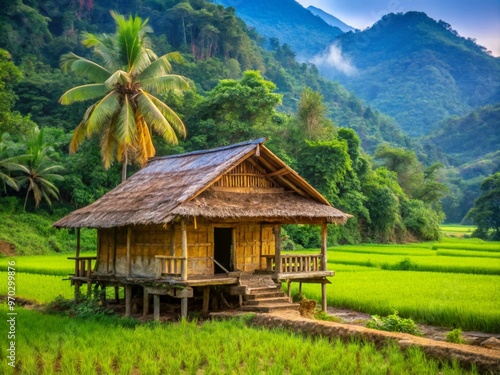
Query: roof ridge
[[200, 152]]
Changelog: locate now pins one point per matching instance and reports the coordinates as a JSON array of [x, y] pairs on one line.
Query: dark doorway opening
[[223, 242]]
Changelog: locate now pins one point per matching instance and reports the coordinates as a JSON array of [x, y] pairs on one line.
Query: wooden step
[[264, 295], [265, 301], [270, 307], [261, 289]]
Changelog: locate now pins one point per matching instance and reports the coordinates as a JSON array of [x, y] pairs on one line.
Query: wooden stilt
[[206, 299], [184, 308], [128, 300], [289, 287], [117, 294], [77, 291], [89, 289], [156, 303], [323, 297], [145, 309], [300, 288]]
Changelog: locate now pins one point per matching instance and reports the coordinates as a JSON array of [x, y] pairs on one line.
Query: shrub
[[394, 323], [455, 336]]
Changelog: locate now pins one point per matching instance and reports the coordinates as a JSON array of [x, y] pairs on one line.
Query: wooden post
[[117, 294], [172, 240], [77, 251], [323, 264], [300, 288], [323, 297], [184, 308], [128, 300], [129, 240], [277, 248], [77, 291], [156, 303], [206, 299], [184, 271], [145, 307], [289, 288], [323, 246]]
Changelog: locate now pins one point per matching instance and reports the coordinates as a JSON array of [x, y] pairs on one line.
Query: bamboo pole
[[324, 234], [156, 303]]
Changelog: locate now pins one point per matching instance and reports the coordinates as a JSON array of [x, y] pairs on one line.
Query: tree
[[486, 211], [312, 114], [37, 172], [127, 81], [7, 164]]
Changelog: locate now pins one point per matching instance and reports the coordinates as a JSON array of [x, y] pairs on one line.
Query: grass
[[443, 299], [33, 234], [59, 345], [492, 246], [40, 288], [53, 264]]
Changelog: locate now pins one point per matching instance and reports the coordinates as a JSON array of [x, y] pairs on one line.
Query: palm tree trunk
[[124, 165]]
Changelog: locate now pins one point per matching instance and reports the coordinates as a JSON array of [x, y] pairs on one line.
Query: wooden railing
[[167, 265], [83, 266], [294, 263]]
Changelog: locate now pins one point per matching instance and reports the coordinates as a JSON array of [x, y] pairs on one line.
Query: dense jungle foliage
[[238, 92]]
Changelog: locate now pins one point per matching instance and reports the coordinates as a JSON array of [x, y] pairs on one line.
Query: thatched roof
[[178, 185]]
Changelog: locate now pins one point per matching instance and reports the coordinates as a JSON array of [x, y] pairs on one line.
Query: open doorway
[[223, 242]]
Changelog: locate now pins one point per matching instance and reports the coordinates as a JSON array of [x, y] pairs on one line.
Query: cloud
[[333, 58]]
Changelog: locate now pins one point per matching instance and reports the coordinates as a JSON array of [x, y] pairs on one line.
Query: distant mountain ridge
[[416, 69], [330, 19], [287, 21]]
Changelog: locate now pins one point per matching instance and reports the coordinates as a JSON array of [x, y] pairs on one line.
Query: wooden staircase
[[262, 294]]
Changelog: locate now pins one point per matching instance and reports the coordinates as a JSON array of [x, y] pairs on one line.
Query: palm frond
[[80, 132], [82, 93], [125, 124], [145, 149], [119, 77], [103, 111], [141, 62], [161, 65], [108, 145], [104, 46], [84, 67], [172, 119], [169, 82], [155, 118]]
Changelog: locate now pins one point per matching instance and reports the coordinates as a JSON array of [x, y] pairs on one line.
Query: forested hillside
[[416, 69], [287, 21], [329, 19], [237, 92]]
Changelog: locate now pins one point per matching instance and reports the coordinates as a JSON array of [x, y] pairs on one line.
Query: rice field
[[49, 344], [54, 264], [457, 230]]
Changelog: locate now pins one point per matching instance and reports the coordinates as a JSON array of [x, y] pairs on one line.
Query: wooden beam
[[184, 271], [129, 241], [279, 172]]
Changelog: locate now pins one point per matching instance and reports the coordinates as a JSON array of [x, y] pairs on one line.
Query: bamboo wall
[[250, 242], [245, 175]]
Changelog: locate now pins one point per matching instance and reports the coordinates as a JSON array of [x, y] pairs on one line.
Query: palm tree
[[37, 171], [7, 164], [126, 84]]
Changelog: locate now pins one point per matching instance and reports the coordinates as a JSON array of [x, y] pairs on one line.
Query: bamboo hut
[[189, 222]]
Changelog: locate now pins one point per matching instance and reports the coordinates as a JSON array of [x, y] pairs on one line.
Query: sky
[[478, 19]]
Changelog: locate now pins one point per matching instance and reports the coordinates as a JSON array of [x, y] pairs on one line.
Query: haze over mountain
[[329, 19], [288, 21], [414, 68]]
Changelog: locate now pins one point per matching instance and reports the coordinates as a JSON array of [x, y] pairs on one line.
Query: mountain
[[416, 69], [329, 19], [467, 139], [287, 21]]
